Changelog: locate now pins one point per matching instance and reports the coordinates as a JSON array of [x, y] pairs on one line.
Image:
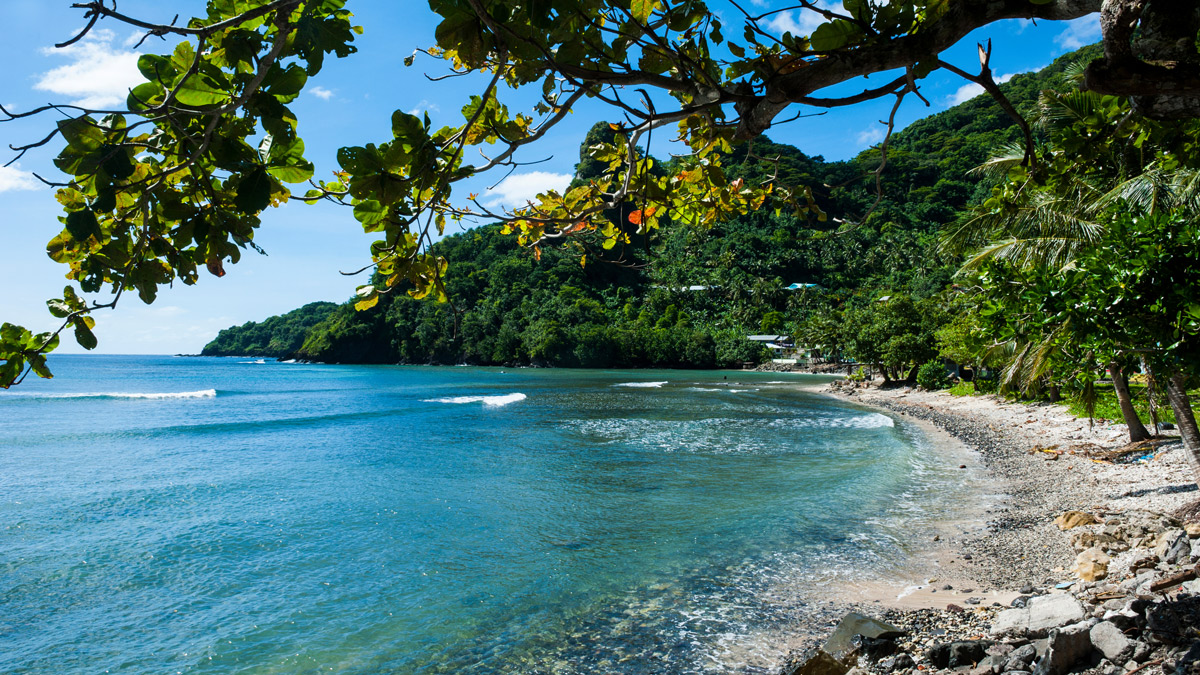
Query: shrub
[[963, 389], [932, 376]]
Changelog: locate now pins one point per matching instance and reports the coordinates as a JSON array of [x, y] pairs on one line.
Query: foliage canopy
[[175, 182]]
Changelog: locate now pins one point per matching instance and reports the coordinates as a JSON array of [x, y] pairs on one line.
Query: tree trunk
[[1186, 421], [1137, 430], [912, 374], [1151, 396]]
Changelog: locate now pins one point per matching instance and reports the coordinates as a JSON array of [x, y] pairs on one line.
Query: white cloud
[[870, 136], [1079, 32], [965, 93], [520, 188], [12, 179], [424, 106], [321, 93], [970, 90], [800, 22], [99, 74]]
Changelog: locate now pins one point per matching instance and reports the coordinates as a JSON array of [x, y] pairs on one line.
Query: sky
[[349, 103]]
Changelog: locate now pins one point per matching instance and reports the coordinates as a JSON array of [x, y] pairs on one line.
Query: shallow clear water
[[225, 516]]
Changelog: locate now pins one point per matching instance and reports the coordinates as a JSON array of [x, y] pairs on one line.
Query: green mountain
[[687, 297]]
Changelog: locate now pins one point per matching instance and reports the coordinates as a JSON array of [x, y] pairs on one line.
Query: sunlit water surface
[[234, 516]]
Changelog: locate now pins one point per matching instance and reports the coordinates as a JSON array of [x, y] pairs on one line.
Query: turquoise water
[[225, 516]]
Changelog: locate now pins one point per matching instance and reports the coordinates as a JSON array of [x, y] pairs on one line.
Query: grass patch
[[963, 389], [1108, 408]]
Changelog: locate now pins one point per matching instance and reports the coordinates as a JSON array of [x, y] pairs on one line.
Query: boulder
[[816, 662], [1020, 658], [1085, 539], [1171, 544], [897, 662], [1192, 529], [1072, 519], [1038, 616], [1092, 564], [1068, 646], [841, 642], [1111, 642], [873, 648], [958, 654]]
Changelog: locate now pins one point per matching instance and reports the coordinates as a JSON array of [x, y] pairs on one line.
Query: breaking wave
[[203, 393], [494, 401], [642, 385]]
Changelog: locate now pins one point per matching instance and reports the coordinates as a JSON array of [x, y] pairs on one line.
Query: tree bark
[[1137, 430], [1186, 421]]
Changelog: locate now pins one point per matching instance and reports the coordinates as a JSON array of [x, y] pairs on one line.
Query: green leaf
[[144, 96], [369, 212], [288, 83], [834, 35], [83, 224], [200, 90], [254, 191], [369, 298], [641, 9], [407, 127], [84, 335], [156, 69], [81, 133], [116, 163]]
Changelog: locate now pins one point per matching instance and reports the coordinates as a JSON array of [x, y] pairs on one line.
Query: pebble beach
[[1083, 540]]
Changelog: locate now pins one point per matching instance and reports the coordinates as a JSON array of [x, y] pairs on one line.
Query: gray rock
[[897, 662], [1039, 616], [1001, 650], [1068, 646], [1110, 641], [817, 662], [840, 643], [1141, 650], [958, 654], [1021, 657]]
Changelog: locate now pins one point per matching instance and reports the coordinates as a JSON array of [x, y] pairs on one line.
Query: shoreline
[[999, 555]]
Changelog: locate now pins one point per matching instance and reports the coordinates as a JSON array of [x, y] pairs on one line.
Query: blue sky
[[349, 103]]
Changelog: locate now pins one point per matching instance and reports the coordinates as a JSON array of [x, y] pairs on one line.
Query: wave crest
[[642, 385], [203, 393], [494, 401]]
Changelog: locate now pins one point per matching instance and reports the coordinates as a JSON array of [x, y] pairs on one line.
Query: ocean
[[226, 515]]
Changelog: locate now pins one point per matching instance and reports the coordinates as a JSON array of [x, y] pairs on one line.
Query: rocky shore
[[1091, 542]]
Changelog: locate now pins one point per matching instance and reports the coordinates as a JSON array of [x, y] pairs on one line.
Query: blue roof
[[798, 286]]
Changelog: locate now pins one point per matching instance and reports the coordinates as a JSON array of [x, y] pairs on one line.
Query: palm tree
[[1046, 225]]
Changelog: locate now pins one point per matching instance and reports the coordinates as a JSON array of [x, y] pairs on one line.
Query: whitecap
[[259, 361], [870, 421], [203, 393], [647, 385], [494, 401], [703, 389]]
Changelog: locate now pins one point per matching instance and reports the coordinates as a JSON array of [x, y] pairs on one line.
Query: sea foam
[[495, 401], [642, 385], [203, 393]]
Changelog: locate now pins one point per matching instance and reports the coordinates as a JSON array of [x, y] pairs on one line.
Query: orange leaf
[[216, 267], [635, 217], [537, 253]]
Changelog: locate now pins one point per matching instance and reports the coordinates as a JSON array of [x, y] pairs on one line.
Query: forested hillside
[[688, 297]]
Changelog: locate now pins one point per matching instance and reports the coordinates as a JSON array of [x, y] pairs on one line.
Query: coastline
[[1038, 461]]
